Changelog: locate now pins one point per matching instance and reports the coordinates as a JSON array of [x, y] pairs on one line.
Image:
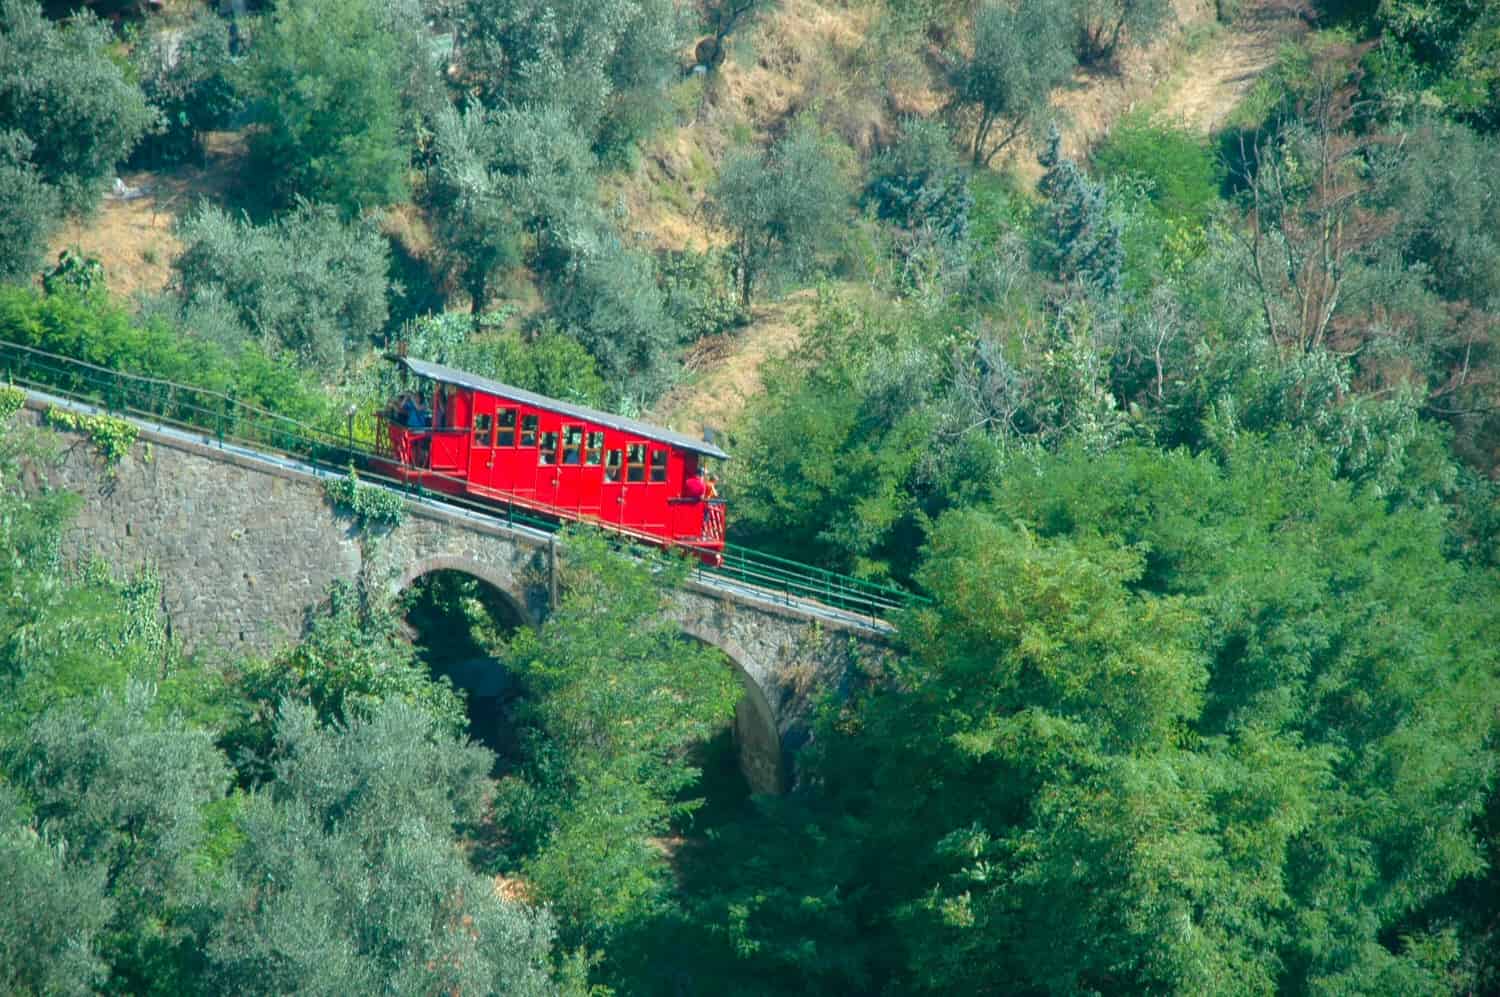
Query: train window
[[635, 462], [549, 448], [572, 445], [593, 448], [612, 466], [482, 429], [658, 465], [528, 430], [505, 429]]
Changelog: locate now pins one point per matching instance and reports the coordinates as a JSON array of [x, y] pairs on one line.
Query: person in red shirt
[[694, 487]]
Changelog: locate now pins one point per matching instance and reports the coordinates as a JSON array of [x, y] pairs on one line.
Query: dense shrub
[[307, 282], [1103, 24], [1178, 170], [918, 183]]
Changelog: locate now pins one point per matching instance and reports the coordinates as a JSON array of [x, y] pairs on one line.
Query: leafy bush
[[699, 290], [473, 219], [325, 75], [112, 437], [1177, 169], [1080, 233], [60, 87], [104, 334], [29, 209], [307, 282], [368, 504]]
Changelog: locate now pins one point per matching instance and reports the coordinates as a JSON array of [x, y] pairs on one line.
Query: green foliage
[[1442, 54], [29, 209], [1021, 53], [60, 87], [353, 659], [51, 925], [369, 505], [781, 205], [75, 273], [918, 184], [1080, 232], [325, 75], [613, 695], [348, 879], [599, 63], [111, 437], [699, 291], [124, 792], [474, 223], [608, 298], [188, 77], [1176, 169], [307, 282], [12, 400], [104, 334]]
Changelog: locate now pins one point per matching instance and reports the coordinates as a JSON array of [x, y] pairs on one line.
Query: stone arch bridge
[[245, 543]]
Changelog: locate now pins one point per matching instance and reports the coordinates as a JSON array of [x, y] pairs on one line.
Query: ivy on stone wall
[[111, 437], [366, 503]]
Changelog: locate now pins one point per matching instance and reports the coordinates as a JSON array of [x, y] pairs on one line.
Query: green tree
[[29, 209], [62, 90], [1081, 233], [614, 694], [126, 792], [55, 912], [1101, 25], [592, 61], [473, 219], [1020, 54], [307, 282], [326, 78], [348, 878], [780, 206]]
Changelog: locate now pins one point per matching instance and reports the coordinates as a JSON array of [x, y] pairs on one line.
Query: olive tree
[[1102, 24], [307, 282], [780, 205], [1020, 53]]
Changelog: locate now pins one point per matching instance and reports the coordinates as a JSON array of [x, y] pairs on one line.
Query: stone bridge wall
[[244, 549]]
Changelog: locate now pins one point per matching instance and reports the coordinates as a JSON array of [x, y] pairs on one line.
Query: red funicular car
[[467, 435]]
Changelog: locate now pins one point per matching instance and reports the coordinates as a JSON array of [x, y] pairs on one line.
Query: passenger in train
[[694, 487], [711, 487]]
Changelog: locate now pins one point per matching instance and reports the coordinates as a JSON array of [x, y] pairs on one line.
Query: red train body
[[505, 445]]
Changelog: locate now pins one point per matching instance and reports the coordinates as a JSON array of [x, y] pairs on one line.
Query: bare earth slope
[[1213, 81]]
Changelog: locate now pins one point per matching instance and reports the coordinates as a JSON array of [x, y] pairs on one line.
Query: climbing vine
[[11, 400], [112, 437], [366, 503]]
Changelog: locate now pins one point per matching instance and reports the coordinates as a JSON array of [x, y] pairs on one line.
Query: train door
[[548, 469], [577, 493], [612, 487], [482, 442], [523, 476]]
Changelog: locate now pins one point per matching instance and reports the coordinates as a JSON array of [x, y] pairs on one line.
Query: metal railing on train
[[220, 417]]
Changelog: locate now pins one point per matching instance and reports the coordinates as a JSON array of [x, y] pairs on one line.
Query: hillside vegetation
[[1154, 344]]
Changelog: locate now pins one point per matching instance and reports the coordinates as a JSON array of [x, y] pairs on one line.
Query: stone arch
[[756, 735], [501, 583]]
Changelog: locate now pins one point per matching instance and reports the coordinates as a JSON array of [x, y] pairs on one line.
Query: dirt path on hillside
[[1212, 82]]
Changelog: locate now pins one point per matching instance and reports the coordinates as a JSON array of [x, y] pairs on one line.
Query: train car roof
[[450, 375]]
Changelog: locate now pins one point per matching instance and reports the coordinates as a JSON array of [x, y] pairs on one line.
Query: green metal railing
[[226, 420]]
